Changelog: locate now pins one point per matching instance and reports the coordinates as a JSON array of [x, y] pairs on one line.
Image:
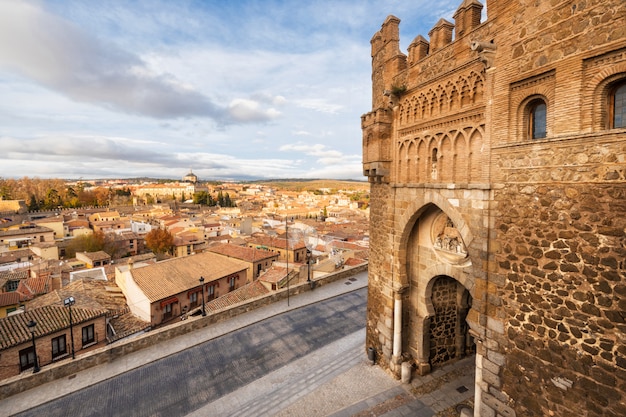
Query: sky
[[229, 89]]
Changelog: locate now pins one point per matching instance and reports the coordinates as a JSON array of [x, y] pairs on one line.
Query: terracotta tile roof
[[274, 274], [125, 236], [15, 255], [176, 275], [243, 253], [14, 275], [241, 294], [346, 245], [9, 298], [354, 262], [88, 293], [50, 319], [31, 287], [126, 324], [26, 231], [96, 256], [275, 242]]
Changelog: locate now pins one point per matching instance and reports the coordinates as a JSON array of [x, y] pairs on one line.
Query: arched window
[[537, 116], [433, 162], [617, 100]]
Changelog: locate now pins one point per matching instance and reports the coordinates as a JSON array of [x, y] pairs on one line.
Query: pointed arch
[[422, 157], [476, 166], [410, 162], [446, 158]]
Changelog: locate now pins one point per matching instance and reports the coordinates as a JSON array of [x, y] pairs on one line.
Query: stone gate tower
[[496, 153]]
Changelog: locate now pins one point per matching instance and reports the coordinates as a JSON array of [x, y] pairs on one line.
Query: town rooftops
[[176, 275]]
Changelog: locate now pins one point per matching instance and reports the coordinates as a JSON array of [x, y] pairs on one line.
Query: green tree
[[94, 242], [200, 197], [52, 200], [33, 203]]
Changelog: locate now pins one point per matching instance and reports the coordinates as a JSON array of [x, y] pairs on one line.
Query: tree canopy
[[159, 241]]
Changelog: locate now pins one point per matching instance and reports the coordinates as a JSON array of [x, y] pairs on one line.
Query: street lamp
[[69, 302], [202, 284], [308, 264], [31, 327]]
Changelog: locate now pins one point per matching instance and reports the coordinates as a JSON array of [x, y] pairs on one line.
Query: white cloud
[[246, 110], [120, 89]]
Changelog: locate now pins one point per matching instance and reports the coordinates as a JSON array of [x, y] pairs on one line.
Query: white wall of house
[[140, 227], [135, 298]]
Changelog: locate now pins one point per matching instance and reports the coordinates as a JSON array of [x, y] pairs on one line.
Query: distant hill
[[310, 185]]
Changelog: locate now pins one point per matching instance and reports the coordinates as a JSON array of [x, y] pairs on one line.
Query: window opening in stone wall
[[618, 106], [537, 119]]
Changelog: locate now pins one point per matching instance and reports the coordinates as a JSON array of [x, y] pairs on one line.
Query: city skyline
[[232, 90]]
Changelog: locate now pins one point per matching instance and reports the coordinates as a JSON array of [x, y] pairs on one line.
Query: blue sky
[[233, 89]]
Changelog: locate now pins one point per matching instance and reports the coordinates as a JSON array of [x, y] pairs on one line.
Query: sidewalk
[[336, 380]]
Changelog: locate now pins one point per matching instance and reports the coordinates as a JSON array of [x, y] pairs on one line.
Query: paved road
[[181, 383]]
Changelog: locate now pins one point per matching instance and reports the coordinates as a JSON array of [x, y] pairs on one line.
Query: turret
[[467, 17], [440, 35]]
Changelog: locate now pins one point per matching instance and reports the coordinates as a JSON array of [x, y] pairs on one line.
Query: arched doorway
[[449, 337]]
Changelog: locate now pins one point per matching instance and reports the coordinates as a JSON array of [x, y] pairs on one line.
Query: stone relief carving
[[447, 240]]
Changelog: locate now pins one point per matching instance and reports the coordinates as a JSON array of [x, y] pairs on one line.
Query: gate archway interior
[[449, 337], [437, 263]]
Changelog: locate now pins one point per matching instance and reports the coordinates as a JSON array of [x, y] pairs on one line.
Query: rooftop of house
[[87, 293], [173, 276], [25, 231], [9, 298], [31, 287], [14, 329], [14, 275], [275, 242], [242, 252], [94, 256], [274, 274], [241, 294], [354, 262]]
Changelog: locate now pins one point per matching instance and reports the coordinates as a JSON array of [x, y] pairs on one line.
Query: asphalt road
[[181, 383]]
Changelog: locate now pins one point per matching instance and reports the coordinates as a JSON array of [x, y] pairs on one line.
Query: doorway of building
[[449, 332]]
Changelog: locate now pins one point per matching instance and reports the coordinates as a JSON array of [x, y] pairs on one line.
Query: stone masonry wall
[[563, 248], [380, 295]]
